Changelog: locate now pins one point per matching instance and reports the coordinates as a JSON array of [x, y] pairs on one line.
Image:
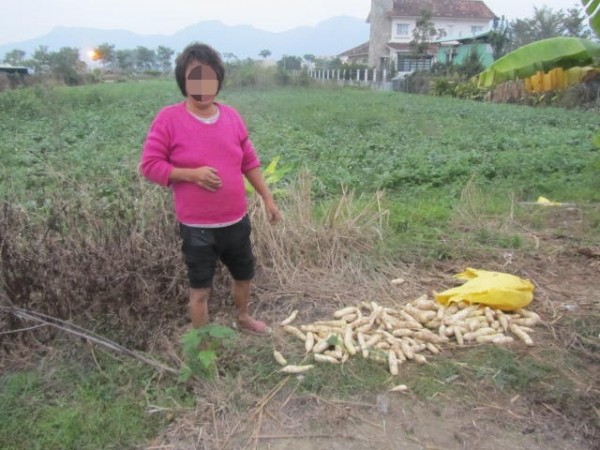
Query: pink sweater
[[177, 139]]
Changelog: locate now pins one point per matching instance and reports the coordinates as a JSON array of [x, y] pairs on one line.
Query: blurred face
[[201, 83]]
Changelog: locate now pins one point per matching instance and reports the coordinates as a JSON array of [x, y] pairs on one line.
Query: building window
[[475, 29], [412, 63], [401, 29]]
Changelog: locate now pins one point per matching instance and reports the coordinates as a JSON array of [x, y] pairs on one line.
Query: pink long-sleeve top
[[178, 139]]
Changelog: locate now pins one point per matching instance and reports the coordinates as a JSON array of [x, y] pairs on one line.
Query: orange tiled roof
[[459, 9]]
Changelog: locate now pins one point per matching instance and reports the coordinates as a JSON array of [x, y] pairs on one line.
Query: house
[[12, 76], [356, 55], [457, 50], [13, 70], [393, 22]]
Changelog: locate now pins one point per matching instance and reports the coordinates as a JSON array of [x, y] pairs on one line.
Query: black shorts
[[202, 247]]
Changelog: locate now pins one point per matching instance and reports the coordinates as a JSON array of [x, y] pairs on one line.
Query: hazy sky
[[25, 19]]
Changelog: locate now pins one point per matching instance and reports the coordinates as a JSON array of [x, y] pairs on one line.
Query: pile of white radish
[[394, 336]]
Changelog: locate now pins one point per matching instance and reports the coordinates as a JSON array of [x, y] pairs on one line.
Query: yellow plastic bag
[[495, 289], [545, 202]]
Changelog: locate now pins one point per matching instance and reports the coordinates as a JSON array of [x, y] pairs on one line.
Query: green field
[[362, 139], [83, 238]]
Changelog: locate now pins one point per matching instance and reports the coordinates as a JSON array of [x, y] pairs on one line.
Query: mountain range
[[328, 38]]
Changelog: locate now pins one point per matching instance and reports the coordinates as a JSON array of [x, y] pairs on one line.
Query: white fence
[[377, 79]]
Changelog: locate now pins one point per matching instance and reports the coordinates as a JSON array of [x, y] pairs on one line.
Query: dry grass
[[333, 235], [117, 268]]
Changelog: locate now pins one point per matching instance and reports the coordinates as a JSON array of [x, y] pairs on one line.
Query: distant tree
[[105, 53], [265, 53], [125, 60], [547, 23], [145, 59], [229, 57], [575, 24], [471, 66], [164, 55], [309, 58], [40, 60], [290, 63], [66, 65], [329, 63], [424, 33], [15, 57], [499, 37]]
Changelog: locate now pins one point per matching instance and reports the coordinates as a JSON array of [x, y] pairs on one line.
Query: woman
[[201, 150]]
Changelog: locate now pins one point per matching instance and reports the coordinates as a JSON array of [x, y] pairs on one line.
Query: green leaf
[[270, 170], [271, 174], [592, 9], [207, 358], [191, 341], [184, 374], [333, 340], [221, 332], [544, 55]]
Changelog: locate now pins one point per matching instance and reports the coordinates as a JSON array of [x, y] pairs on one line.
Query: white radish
[[296, 369], [345, 311], [432, 348], [399, 388], [291, 318], [279, 358], [487, 338], [393, 362], [407, 350], [372, 341], [295, 331], [349, 318], [480, 332], [502, 339], [321, 346], [325, 358], [348, 342], [518, 332], [402, 332], [526, 321], [337, 354], [420, 359], [458, 335], [309, 343], [363, 345], [430, 336]]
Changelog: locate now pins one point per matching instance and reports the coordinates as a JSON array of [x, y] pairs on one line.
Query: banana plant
[[272, 175], [547, 54], [592, 9], [540, 56]]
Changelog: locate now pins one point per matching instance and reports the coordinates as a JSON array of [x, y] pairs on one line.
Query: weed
[[200, 347]]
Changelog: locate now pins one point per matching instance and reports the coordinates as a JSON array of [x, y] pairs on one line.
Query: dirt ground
[[567, 284], [565, 270]]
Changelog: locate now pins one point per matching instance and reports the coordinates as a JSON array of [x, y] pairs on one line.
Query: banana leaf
[[592, 9], [544, 55]]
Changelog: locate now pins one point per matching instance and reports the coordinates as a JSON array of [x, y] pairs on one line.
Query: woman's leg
[[198, 306], [241, 298]]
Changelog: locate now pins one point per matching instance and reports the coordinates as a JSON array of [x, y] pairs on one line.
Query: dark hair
[[201, 53]]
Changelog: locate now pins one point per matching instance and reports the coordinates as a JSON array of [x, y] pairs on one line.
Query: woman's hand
[[273, 213], [206, 177]]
